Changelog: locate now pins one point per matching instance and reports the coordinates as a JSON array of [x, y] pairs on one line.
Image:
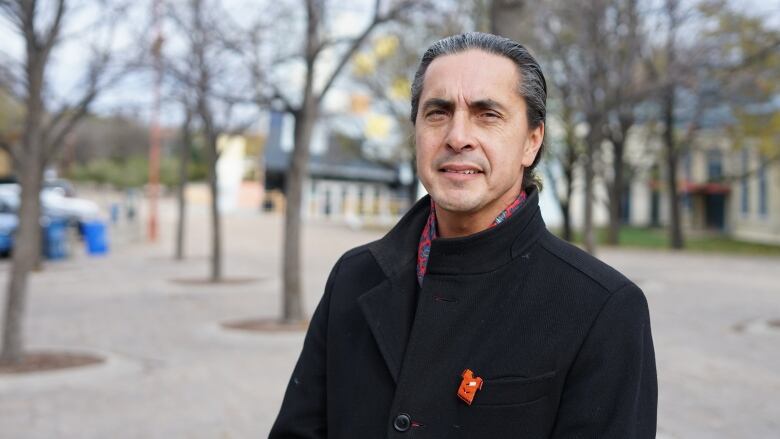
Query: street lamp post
[[154, 133]]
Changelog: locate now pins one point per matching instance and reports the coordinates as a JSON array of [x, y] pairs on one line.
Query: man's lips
[[460, 169]]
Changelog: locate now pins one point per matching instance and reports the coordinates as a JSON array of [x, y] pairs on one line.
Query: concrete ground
[[172, 373]]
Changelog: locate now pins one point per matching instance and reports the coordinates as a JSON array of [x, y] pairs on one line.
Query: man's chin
[[457, 204]]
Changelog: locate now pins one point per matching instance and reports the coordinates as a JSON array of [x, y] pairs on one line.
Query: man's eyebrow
[[444, 104], [480, 104], [487, 104]]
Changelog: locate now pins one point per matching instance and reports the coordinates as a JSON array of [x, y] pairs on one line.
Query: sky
[[134, 95]]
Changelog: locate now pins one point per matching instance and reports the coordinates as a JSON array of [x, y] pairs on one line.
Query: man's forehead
[[472, 74]]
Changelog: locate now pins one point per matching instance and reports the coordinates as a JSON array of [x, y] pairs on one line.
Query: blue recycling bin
[[8, 225], [6, 242], [94, 233], [55, 238]]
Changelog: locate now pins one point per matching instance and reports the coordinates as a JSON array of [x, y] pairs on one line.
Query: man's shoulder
[[356, 272], [359, 261], [577, 263], [356, 255]]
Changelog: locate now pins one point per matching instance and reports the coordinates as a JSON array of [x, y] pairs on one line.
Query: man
[[469, 319]]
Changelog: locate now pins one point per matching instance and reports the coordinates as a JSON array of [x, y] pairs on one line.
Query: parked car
[[57, 200], [55, 203], [58, 205]]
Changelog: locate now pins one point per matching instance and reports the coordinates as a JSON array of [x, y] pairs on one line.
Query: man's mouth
[[469, 171], [460, 169]]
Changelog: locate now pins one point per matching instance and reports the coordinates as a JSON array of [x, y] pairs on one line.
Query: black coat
[[561, 340]]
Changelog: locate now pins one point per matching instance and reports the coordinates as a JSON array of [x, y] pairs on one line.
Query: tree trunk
[[616, 193], [305, 117], [27, 247], [293, 294], [675, 222], [593, 142], [564, 202], [184, 159], [568, 172], [216, 228], [566, 213], [35, 150], [588, 235]]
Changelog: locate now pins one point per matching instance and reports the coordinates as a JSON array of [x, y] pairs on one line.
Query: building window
[[744, 183], [685, 198], [687, 165], [762, 189], [714, 165]]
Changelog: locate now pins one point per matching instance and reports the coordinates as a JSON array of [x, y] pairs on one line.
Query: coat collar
[[389, 307], [491, 248], [477, 253]]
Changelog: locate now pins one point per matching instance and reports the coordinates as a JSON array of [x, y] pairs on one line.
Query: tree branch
[[66, 119], [75, 113], [286, 103], [378, 19], [330, 42], [27, 24], [13, 13], [54, 31]]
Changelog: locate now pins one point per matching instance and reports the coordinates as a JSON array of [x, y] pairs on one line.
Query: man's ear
[[532, 144]]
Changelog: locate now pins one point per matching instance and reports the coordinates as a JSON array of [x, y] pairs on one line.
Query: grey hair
[[532, 86]]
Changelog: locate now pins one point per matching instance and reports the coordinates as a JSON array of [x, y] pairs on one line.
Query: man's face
[[472, 133]]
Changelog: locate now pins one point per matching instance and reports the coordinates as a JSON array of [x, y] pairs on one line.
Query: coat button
[[402, 422]]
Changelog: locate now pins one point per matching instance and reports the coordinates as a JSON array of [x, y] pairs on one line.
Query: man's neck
[[451, 224]]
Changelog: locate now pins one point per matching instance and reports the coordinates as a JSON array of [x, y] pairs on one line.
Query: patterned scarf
[[429, 233]]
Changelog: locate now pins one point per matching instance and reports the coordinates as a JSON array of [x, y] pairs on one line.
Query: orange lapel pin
[[469, 386]]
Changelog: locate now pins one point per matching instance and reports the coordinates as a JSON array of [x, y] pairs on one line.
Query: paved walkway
[[173, 374]]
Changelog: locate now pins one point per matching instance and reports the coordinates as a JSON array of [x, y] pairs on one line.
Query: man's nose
[[460, 135]]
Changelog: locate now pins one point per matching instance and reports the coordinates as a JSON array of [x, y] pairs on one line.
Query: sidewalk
[[174, 374]]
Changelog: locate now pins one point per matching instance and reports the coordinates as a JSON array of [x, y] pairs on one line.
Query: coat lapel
[[389, 311], [389, 307]]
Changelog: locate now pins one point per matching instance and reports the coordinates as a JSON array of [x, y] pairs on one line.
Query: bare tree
[[591, 17], [565, 153], [555, 38], [668, 106], [184, 160], [674, 67], [593, 55], [207, 70], [42, 137], [625, 89], [305, 111], [568, 37]]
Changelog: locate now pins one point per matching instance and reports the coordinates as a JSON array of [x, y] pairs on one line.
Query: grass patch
[[655, 238]]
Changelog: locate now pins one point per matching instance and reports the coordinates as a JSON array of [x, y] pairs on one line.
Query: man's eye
[[436, 114], [490, 115]]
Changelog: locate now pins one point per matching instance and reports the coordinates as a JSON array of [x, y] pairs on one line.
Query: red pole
[[154, 134]]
